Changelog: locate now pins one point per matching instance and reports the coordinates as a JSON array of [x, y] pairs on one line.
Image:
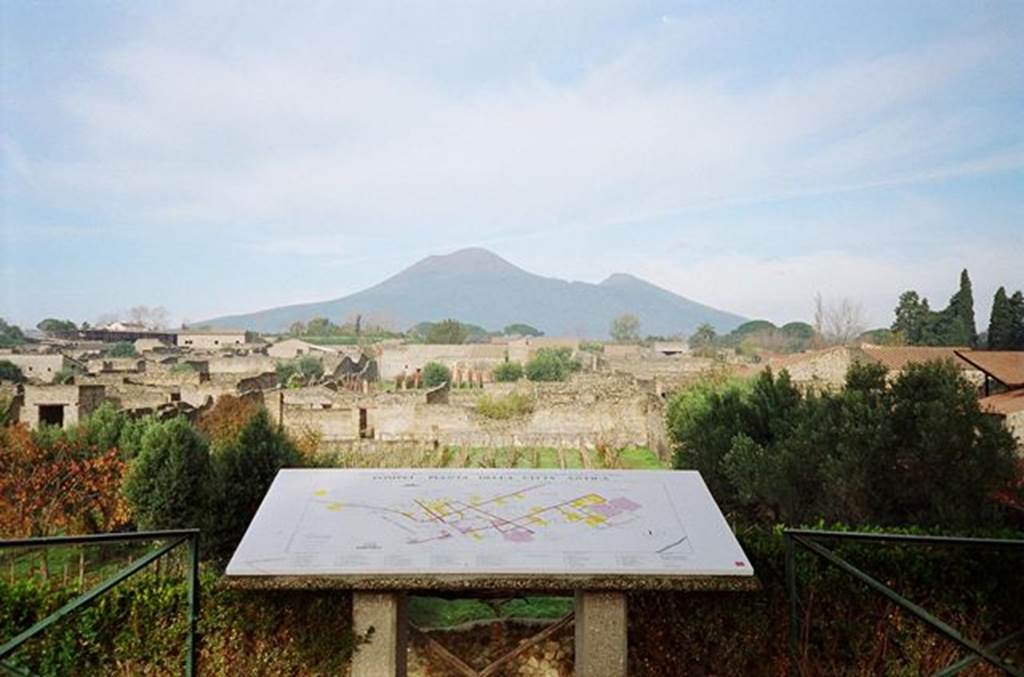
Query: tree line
[[917, 324], [911, 449], [113, 472]]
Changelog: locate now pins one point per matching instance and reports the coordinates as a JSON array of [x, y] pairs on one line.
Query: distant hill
[[480, 287]]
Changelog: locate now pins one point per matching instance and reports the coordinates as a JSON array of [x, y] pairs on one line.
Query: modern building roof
[[897, 358], [1005, 366], [1006, 403]]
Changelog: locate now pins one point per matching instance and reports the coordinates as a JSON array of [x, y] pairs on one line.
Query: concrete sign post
[[595, 533]]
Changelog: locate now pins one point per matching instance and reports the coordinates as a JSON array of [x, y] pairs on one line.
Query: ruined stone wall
[[137, 396], [38, 367], [209, 340], [77, 401], [242, 364], [819, 369], [336, 425], [395, 359], [589, 410], [168, 378], [105, 365], [653, 366]]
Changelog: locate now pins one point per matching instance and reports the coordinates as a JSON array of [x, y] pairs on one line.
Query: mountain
[[478, 286]]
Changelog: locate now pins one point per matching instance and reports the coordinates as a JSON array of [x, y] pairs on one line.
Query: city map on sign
[[488, 521]]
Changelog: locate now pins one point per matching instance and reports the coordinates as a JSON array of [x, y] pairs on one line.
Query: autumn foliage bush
[[62, 484]]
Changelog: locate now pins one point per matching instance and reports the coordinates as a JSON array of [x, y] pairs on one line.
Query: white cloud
[[782, 288], [187, 132]]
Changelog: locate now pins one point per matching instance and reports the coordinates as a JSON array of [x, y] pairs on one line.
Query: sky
[[225, 157]]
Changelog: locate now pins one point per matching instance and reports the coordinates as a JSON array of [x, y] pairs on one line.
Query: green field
[[630, 458]]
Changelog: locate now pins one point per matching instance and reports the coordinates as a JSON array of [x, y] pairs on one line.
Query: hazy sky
[[217, 157]]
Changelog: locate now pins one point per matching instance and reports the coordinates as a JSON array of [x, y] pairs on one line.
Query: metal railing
[[808, 539], [174, 538]]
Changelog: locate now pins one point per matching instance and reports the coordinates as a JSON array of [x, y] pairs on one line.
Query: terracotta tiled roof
[[1009, 402], [1005, 366], [898, 357]]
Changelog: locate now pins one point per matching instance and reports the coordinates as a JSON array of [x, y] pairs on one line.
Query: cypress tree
[[1017, 323], [1000, 324], [960, 315]]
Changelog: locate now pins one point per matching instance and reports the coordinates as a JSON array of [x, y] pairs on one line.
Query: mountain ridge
[[477, 286]]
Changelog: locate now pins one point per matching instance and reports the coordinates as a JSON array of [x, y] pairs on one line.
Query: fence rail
[[174, 539], [809, 540]]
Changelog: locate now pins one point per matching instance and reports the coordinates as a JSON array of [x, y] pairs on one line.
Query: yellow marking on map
[[334, 506], [538, 521], [594, 520], [572, 517], [476, 536], [320, 492]]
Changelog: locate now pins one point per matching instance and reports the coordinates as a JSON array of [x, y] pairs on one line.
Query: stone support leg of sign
[[600, 634], [384, 655]]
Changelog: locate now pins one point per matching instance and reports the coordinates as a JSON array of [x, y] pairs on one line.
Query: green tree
[[319, 326], [104, 426], [297, 329], [1017, 304], [447, 332], [521, 329], [703, 339], [122, 349], [167, 484], [917, 450], [913, 319], [551, 364], [961, 312], [52, 325], [11, 372], [507, 372], [435, 373], [299, 371], [625, 328], [10, 335], [1001, 329], [243, 470], [64, 376], [949, 457]]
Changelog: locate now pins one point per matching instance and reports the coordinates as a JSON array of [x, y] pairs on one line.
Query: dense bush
[[847, 630], [168, 482], [551, 364], [507, 372], [11, 372], [122, 349], [300, 371], [243, 469], [139, 628], [916, 450], [435, 373], [505, 406]]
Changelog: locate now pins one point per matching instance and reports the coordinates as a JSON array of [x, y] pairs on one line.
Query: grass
[[433, 612], [630, 458], [504, 407]]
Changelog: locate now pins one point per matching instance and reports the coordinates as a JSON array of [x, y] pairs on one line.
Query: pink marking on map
[[517, 535], [623, 503], [606, 509]]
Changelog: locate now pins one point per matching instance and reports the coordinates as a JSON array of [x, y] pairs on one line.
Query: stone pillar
[[384, 655], [600, 634]]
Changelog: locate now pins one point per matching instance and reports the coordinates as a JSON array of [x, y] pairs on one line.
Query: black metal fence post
[[794, 606], [192, 659]]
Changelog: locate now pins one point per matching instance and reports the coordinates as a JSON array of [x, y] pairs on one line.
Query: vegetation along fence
[[171, 540], [809, 539]]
